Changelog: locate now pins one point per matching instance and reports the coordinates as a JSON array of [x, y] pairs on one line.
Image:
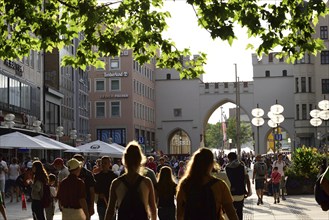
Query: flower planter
[[299, 185]]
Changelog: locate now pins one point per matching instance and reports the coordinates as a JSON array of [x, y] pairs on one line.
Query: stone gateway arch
[[183, 108]]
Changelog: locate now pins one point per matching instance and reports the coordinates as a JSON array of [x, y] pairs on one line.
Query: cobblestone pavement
[[294, 208]]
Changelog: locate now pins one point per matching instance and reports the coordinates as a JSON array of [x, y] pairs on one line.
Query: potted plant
[[303, 171]]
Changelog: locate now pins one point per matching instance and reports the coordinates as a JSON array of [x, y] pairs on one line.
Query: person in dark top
[[161, 164], [90, 182], [166, 186], [72, 194], [238, 176], [102, 187]]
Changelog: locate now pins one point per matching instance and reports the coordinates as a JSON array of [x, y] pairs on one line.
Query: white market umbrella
[[101, 148], [61, 145], [118, 146], [20, 140]]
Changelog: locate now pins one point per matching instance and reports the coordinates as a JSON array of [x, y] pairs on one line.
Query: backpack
[[46, 198], [200, 203], [261, 169], [132, 206], [319, 194], [236, 175]]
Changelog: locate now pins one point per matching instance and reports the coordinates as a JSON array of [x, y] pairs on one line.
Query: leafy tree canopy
[[131, 24], [245, 131]]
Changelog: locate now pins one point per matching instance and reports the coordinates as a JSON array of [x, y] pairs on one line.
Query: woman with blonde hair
[[40, 178], [166, 186], [196, 178], [130, 184]]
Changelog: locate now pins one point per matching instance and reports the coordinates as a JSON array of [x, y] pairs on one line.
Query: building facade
[[122, 101]]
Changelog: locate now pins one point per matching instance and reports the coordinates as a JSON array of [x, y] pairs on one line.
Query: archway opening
[[278, 140], [179, 143], [221, 132]]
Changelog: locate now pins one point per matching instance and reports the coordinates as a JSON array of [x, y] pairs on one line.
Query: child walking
[[276, 178]]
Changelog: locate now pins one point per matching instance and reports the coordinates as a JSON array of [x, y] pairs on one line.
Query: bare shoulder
[[147, 180], [115, 183]]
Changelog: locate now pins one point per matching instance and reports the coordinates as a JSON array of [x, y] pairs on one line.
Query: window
[[325, 86], [245, 84], [325, 57], [115, 109], [114, 64], [115, 84], [297, 112], [309, 84], [284, 72], [14, 92], [270, 58], [267, 73], [216, 85], [168, 76], [206, 85], [177, 112], [304, 112], [281, 59], [324, 32], [3, 89], [100, 85], [296, 85], [225, 85], [303, 84], [100, 109]]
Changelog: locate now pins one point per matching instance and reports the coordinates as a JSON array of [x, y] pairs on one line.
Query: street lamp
[[36, 126], [230, 142], [257, 121], [9, 120], [73, 136], [59, 132], [275, 119], [88, 138], [316, 120]]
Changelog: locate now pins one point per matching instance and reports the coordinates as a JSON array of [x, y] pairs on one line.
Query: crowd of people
[[140, 187]]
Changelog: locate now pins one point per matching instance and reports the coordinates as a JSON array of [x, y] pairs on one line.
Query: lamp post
[[9, 120], [324, 115], [316, 121], [230, 142], [275, 119], [59, 132], [88, 138], [73, 136], [257, 121], [36, 126]]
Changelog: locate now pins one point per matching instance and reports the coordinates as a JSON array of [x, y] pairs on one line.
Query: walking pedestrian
[[238, 176], [281, 165], [13, 173], [259, 177], [102, 188], [89, 180], [63, 171], [3, 171], [276, 179], [132, 183], [40, 178], [196, 180], [50, 210], [166, 186], [72, 194]]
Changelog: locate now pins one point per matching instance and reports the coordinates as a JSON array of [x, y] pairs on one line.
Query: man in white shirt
[[281, 165]]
